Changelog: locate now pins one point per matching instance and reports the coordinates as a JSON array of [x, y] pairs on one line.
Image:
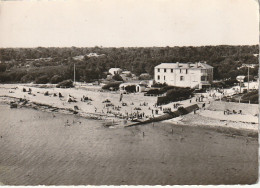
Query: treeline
[[224, 59]]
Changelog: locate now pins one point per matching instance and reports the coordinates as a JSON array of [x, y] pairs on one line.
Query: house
[[114, 71], [193, 75], [139, 87]]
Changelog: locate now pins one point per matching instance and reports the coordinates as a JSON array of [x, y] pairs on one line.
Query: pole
[[248, 80], [240, 86], [74, 74]]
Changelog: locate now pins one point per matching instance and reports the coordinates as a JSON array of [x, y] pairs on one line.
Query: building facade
[[193, 75], [114, 71]]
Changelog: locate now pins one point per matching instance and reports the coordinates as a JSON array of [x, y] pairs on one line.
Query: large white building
[[194, 75]]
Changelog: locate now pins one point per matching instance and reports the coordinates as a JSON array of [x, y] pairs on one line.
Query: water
[[39, 149]]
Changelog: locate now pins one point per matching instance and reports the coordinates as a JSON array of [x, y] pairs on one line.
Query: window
[[180, 70], [203, 78], [164, 77], [181, 78], [164, 70], [186, 71], [203, 71], [171, 70], [158, 70], [158, 77]]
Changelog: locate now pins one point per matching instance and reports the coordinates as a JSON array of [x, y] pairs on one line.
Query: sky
[[128, 23]]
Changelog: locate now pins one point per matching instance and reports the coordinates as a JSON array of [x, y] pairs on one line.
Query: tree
[[117, 77], [56, 79], [2, 67], [130, 89], [42, 80], [65, 83], [27, 78]]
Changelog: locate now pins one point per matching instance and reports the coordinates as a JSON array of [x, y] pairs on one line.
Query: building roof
[[115, 69], [188, 65]]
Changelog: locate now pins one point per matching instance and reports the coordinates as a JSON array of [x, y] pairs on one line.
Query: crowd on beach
[[116, 105]]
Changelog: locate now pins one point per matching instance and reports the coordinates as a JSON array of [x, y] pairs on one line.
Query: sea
[[43, 148]]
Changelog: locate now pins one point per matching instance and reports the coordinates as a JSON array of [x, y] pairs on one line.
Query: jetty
[[169, 115]]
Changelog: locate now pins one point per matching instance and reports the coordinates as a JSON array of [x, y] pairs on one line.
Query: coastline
[[198, 119], [49, 152]]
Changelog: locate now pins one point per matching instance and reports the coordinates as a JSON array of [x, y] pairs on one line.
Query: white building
[[114, 71], [194, 75]]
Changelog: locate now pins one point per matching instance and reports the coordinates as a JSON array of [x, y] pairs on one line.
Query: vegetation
[[65, 83], [225, 83], [117, 77], [252, 96], [31, 63], [112, 86], [175, 94], [130, 89], [42, 80], [162, 90], [56, 79]]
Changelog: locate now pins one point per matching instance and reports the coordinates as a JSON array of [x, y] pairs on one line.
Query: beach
[[134, 104], [39, 148]]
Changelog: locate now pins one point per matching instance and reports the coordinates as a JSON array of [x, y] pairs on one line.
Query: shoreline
[[49, 108], [186, 120], [211, 116]]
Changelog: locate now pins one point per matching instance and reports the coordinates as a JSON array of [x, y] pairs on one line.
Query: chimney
[[177, 64], [188, 65], [196, 65]]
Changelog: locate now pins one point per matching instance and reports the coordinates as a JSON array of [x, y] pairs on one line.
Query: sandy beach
[[38, 148], [137, 103]]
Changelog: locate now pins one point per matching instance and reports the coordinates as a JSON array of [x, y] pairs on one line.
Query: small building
[[193, 75], [114, 71], [128, 73], [140, 88]]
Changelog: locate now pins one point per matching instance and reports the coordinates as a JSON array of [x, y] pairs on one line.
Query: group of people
[[228, 112]]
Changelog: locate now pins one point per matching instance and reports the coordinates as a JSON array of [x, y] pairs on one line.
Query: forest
[[52, 65]]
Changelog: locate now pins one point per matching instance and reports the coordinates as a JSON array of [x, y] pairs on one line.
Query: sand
[[96, 109], [38, 148]]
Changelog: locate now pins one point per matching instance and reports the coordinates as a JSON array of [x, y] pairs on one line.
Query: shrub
[[145, 77], [114, 85], [56, 79], [159, 85], [42, 80], [5, 77], [2, 67], [175, 94], [65, 83], [27, 78], [117, 77], [154, 92], [251, 96], [131, 88]]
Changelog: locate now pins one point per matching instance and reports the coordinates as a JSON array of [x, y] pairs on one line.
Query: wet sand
[[38, 149]]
